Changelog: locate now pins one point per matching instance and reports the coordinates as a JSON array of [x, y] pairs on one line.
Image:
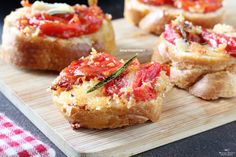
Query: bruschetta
[[203, 61], [152, 15], [49, 36], [100, 91]]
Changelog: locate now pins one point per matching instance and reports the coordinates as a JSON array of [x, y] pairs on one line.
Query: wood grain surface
[[183, 115]]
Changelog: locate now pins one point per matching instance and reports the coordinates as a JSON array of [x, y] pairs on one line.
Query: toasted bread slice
[[26, 48], [116, 104], [185, 78], [206, 71], [215, 85], [153, 18]]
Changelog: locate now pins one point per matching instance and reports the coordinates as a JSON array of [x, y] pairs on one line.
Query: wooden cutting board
[[183, 115]]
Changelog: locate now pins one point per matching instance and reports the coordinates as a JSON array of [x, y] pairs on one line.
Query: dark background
[[217, 142]]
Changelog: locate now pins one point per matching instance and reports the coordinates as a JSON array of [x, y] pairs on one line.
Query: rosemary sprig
[[112, 76]]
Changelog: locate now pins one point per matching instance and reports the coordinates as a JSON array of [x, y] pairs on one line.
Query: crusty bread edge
[[215, 85], [48, 53]]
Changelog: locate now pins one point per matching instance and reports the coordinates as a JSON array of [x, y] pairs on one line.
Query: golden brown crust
[[185, 78], [48, 53], [112, 117], [153, 18], [215, 85]]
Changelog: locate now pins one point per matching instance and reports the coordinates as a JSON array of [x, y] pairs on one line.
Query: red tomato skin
[[101, 66], [215, 40], [114, 87], [122, 81], [171, 34], [212, 39], [144, 93], [86, 20], [157, 2], [145, 79], [205, 5]]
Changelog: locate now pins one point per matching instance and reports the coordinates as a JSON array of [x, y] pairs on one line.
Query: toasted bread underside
[[153, 18], [207, 85], [215, 85], [95, 110], [31, 51]]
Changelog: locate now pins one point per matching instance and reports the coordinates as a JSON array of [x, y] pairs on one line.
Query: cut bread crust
[[30, 51], [207, 85], [215, 85], [153, 18], [185, 78], [112, 117], [209, 75]]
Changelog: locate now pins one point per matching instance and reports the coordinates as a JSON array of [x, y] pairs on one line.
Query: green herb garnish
[[112, 76], [183, 32]]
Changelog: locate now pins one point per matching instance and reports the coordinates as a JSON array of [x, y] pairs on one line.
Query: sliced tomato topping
[[215, 40], [138, 79], [212, 39], [145, 79], [99, 66], [202, 6], [123, 81], [157, 2], [85, 20], [114, 87], [171, 34], [102, 65], [142, 82]]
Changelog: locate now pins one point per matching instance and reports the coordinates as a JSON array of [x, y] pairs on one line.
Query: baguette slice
[[27, 49], [153, 18], [116, 104], [205, 71], [215, 85]]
